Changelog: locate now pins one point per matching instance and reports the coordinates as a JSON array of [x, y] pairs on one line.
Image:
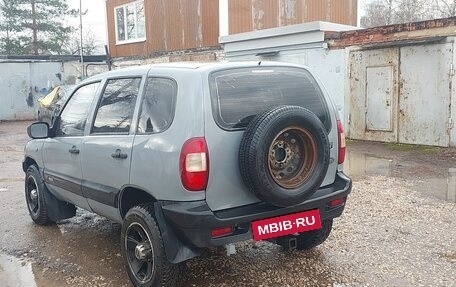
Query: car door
[[62, 153], [155, 152], [107, 149]]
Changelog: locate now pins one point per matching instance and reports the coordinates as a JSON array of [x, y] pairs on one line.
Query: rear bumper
[[194, 221]]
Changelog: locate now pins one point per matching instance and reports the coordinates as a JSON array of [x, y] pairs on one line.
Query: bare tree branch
[[386, 12]]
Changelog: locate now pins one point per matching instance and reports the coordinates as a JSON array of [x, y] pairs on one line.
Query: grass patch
[[412, 147]]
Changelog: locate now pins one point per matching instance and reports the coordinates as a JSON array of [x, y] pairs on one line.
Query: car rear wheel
[[284, 155], [143, 250], [34, 196]]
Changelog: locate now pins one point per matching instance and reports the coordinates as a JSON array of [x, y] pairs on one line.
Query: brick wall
[[209, 55], [392, 33]]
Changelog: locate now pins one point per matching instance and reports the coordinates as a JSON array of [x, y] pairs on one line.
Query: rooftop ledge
[[317, 26]]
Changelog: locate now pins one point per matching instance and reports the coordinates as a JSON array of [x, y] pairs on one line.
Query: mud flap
[[57, 209], [176, 250]]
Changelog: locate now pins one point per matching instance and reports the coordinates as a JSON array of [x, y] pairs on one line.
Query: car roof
[[202, 66]]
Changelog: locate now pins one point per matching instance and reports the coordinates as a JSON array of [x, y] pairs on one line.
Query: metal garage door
[[374, 94], [402, 94], [425, 94]]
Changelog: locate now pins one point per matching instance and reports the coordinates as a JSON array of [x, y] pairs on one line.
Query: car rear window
[[238, 95]]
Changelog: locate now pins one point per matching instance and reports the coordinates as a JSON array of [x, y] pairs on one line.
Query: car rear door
[[62, 153], [237, 95], [107, 149]]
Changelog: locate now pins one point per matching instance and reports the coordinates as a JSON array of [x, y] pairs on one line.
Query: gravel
[[389, 236], [394, 232]]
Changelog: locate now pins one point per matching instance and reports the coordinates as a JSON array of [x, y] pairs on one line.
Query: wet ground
[[399, 229]]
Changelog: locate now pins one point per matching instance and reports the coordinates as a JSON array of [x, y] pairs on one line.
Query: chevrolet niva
[[188, 156]]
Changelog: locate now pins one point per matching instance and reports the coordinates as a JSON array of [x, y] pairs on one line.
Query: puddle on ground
[[359, 164], [15, 272], [442, 186], [449, 256], [11, 179]]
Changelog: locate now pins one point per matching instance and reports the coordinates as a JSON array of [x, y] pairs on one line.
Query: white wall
[[73, 71], [299, 44], [23, 83], [329, 66]]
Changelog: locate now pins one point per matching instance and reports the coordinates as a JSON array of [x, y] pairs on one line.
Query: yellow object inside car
[[50, 98]]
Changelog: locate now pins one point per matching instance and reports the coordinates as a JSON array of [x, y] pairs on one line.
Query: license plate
[[286, 225]]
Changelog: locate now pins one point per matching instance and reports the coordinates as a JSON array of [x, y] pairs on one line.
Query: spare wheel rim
[[292, 157]]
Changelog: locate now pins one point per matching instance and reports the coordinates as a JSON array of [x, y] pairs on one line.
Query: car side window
[[157, 109], [74, 116], [116, 107]]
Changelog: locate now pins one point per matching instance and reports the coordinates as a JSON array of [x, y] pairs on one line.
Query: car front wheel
[[34, 196], [143, 250]]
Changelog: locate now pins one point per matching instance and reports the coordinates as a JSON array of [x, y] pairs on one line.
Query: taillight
[[194, 164], [336, 202], [223, 231], [341, 138]]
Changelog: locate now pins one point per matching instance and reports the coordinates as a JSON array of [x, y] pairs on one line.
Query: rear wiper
[[244, 121]]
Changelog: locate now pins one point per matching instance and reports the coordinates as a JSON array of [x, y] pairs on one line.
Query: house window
[[130, 22]]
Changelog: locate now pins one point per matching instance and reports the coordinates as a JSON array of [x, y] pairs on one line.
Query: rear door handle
[[118, 154], [74, 150]]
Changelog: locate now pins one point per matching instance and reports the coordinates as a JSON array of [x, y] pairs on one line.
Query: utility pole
[[8, 41], [80, 42], [34, 29]]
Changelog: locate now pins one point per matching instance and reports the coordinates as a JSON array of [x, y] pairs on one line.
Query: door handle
[[74, 150], [118, 154]]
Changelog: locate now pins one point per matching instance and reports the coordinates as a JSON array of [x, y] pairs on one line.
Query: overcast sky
[[95, 19]]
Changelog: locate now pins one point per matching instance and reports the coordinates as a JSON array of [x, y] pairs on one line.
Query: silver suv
[[188, 156]]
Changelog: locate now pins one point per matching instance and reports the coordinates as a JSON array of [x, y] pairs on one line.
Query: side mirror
[[39, 130]]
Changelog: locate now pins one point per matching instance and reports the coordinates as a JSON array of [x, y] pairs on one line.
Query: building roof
[[397, 34], [52, 58]]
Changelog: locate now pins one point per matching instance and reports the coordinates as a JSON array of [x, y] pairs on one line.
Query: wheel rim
[[292, 157], [139, 252], [32, 195]]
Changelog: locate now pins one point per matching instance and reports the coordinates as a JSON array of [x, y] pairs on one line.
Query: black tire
[[151, 268], [35, 197], [284, 155], [310, 239]]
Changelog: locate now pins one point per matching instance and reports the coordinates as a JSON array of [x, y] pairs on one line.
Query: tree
[[387, 12], [413, 10], [89, 43], [9, 40], [34, 26], [379, 13], [445, 8]]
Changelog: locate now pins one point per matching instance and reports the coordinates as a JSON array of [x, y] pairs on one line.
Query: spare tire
[[284, 155]]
